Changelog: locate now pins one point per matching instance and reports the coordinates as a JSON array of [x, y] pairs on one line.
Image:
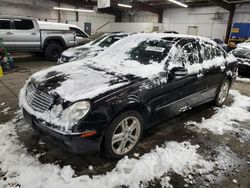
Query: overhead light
[[178, 3], [71, 9], [124, 5], [84, 10], [61, 8]]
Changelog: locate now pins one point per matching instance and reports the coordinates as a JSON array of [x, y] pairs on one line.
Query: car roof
[[173, 37], [16, 16]]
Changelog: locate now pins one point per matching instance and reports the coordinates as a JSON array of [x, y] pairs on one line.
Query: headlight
[[75, 112]]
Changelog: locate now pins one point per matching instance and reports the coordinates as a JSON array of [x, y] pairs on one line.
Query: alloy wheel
[[126, 135], [223, 92]]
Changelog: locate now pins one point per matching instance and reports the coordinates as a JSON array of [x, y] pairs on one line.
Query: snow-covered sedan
[[243, 56], [90, 49], [106, 102]]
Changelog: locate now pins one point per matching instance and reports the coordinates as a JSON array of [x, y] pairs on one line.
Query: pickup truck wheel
[[123, 134], [53, 51]]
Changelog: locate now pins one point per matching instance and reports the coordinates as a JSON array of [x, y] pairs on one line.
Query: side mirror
[[177, 72]]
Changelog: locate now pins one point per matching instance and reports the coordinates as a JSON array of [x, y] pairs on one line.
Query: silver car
[[90, 49]]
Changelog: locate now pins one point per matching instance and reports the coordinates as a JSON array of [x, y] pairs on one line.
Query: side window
[[220, 52], [208, 51], [188, 55], [78, 32], [4, 23], [22, 24]]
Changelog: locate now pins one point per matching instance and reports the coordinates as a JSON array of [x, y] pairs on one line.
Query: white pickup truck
[[26, 34]]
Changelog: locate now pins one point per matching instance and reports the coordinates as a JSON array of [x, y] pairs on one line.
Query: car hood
[[242, 53], [80, 50], [78, 81], [244, 45]]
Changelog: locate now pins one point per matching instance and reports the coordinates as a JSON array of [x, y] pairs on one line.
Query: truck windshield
[[151, 51]]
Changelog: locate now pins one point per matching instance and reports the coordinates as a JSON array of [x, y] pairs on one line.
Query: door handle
[[9, 33], [33, 33]]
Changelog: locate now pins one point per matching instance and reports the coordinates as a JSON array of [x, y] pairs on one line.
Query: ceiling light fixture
[[84, 10], [75, 10], [60, 8], [178, 3], [124, 5]]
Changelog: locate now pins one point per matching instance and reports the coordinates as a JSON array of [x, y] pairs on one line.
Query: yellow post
[[1, 71]]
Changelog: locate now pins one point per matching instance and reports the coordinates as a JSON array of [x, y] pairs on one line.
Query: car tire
[[53, 51], [222, 93], [123, 134]]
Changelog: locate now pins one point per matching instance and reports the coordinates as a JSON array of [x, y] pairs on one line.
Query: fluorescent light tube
[[71, 9], [178, 3], [124, 5], [61, 8], [84, 10]]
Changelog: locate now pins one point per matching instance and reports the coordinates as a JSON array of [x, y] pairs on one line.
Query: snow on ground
[[25, 170], [5, 110], [243, 79], [226, 119], [21, 168]]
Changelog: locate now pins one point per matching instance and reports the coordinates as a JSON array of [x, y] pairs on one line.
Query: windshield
[[110, 40], [151, 51], [98, 40]]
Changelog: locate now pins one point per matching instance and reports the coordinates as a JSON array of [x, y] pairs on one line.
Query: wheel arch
[[58, 40], [138, 107]]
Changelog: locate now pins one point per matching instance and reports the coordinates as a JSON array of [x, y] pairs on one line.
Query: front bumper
[[244, 69], [244, 66], [71, 143]]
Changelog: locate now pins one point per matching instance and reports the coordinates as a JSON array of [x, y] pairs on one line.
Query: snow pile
[[226, 119], [243, 79], [22, 169]]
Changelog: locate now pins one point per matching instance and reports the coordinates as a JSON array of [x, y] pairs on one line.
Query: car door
[[214, 64], [6, 33], [25, 35], [181, 92]]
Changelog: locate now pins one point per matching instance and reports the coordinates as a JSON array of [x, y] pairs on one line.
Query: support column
[[160, 17], [229, 23]]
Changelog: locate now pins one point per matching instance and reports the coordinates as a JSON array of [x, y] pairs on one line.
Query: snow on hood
[[76, 81], [244, 45], [80, 50]]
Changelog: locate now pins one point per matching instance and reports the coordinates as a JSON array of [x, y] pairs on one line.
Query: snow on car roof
[[116, 57]]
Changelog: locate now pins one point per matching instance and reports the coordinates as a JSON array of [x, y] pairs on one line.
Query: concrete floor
[[175, 130]]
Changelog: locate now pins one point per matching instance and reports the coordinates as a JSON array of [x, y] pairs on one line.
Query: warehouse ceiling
[[155, 6]]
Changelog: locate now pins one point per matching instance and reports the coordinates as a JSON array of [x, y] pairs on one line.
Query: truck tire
[[53, 51]]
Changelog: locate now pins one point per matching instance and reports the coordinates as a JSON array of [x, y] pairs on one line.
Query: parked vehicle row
[[104, 103], [26, 34]]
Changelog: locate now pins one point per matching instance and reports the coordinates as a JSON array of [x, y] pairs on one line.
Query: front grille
[[38, 100]]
